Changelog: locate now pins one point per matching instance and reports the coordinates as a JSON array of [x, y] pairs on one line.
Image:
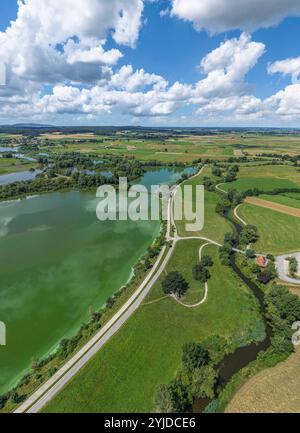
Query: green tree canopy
[[174, 283]]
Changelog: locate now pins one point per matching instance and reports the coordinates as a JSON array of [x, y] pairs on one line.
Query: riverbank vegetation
[[282, 310], [176, 341], [71, 172]]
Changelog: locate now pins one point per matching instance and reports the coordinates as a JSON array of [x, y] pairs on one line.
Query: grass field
[[215, 226], [263, 184], [185, 148], [275, 172], [147, 350], [277, 207], [279, 233], [272, 391], [13, 165], [282, 199], [266, 178]]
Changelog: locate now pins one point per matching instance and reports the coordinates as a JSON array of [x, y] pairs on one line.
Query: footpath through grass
[[147, 350]]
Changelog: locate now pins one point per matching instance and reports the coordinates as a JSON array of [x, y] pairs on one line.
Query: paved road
[[47, 391], [58, 386], [51, 388], [282, 268]]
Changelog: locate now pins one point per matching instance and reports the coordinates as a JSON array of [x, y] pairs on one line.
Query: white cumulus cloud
[[221, 15], [53, 40], [286, 67]]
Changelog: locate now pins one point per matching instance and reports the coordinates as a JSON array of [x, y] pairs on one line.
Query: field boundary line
[[277, 207]]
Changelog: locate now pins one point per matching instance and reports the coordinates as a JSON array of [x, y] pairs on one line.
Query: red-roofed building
[[261, 261]]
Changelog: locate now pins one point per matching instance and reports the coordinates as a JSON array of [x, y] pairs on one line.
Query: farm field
[[169, 147], [266, 178], [142, 353], [148, 348], [272, 391], [277, 207], [279, 233], [282, 200]]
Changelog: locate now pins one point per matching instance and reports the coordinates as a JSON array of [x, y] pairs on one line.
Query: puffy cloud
[[222, 15], [53, 41], [128, 80], [139, 93], [227, 66], [286, 103], [97, 100], [286, 67], [223, 92]]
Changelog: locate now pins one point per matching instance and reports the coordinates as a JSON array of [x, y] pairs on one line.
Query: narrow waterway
[[243, 356]]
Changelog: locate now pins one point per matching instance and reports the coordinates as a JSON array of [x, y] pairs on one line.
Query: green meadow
[[215, 226], [279, 233], [282, 199], [147, 350], [13, 165], [263, 184]]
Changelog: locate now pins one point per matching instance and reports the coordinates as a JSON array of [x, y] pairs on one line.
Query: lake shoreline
[[124, 289]]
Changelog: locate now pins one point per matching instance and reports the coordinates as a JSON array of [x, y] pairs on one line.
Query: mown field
[[147, 350], [282, 199], [279, 233], [275, 390], [265, 178]]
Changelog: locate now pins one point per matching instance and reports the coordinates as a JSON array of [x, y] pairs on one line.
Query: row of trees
[[283, 309], [57, 177], [227, 173]]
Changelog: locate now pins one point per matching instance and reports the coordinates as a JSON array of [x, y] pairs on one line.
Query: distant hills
[[31, 125]]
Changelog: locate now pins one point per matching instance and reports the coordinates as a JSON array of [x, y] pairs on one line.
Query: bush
[[250, 254], [194, 356], [249, 235], [201, 273]]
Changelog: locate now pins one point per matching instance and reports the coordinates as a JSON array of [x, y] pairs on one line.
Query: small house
[[261, 261]]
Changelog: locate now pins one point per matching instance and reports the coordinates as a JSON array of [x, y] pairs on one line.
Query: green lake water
[[57, 261]]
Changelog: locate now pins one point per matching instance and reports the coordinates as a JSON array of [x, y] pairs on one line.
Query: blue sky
[[172, 47]]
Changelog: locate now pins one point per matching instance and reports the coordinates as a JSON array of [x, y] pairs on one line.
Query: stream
[[243, 356]]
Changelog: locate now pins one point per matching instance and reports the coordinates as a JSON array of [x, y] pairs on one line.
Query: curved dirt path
[[218, 187], [206, 286], [237, 215]]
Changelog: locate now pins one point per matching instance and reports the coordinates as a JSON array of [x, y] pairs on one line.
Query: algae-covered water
[[57, 261]]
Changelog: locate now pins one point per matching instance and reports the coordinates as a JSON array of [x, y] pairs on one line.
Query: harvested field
[[60, 136], [274, 206], [275, 390]]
